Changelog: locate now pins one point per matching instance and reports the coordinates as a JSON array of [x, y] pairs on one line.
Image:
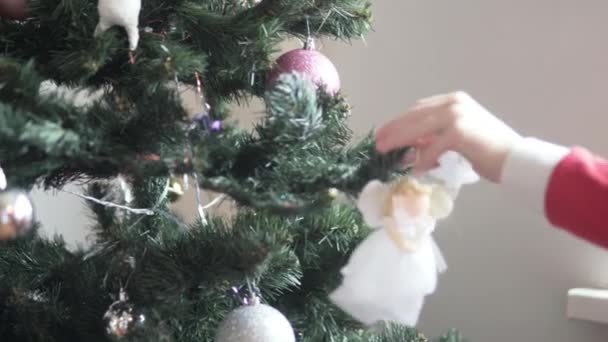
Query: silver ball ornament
[[121, 318], [255, 323], [16, 214]]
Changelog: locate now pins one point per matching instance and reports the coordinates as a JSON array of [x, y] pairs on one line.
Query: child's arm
[[569, 186]]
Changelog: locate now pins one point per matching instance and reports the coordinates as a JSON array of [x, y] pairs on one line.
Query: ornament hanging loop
[[122, 295], [253, 298], [309, 44]]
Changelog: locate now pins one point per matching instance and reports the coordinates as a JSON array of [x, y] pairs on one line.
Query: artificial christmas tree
[[150, 276]]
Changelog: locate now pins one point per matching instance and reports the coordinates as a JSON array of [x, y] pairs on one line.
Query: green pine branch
[[176, 277], [134, 125], [224, 40], [288, 163]]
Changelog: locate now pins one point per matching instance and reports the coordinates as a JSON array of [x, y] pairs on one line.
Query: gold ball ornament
[[16, 214], [333, 193], [176, 189], [255, 322]]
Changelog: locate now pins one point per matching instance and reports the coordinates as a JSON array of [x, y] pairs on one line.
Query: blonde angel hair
[[441, 203]]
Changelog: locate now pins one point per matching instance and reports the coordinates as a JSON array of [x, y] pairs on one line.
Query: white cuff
[[527, 171]]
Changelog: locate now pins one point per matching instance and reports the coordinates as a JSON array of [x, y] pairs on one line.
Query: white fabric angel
[[392, 270], [390, 273]]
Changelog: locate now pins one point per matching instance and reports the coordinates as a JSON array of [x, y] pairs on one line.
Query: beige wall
[[542, 65]]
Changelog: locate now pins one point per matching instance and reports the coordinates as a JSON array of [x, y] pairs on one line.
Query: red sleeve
[[577, 196]]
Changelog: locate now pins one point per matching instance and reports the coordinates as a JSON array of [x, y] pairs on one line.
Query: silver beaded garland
[[255, 323]]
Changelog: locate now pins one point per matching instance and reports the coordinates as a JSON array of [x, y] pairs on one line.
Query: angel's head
[[418, 199]]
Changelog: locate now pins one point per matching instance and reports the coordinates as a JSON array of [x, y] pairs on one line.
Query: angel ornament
[[391, 272]]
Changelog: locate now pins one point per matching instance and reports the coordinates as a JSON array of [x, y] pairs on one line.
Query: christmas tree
[[149, 275]]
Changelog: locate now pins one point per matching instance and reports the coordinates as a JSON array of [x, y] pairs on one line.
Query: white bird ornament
[[123, 13]]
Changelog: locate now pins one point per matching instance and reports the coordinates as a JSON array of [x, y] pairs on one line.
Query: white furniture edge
[[588, 305]]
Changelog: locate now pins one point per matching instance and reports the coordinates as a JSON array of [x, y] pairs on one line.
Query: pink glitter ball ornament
[[310, 63]]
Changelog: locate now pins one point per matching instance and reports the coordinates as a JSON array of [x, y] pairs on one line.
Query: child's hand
[[454, 122]]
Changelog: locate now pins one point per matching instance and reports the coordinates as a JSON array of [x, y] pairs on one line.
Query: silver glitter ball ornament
[[255, 323], [16, 214], [121, 318]]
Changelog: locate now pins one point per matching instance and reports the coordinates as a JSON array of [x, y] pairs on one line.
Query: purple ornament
[[310, 63], [216, 126], [201, 119]]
